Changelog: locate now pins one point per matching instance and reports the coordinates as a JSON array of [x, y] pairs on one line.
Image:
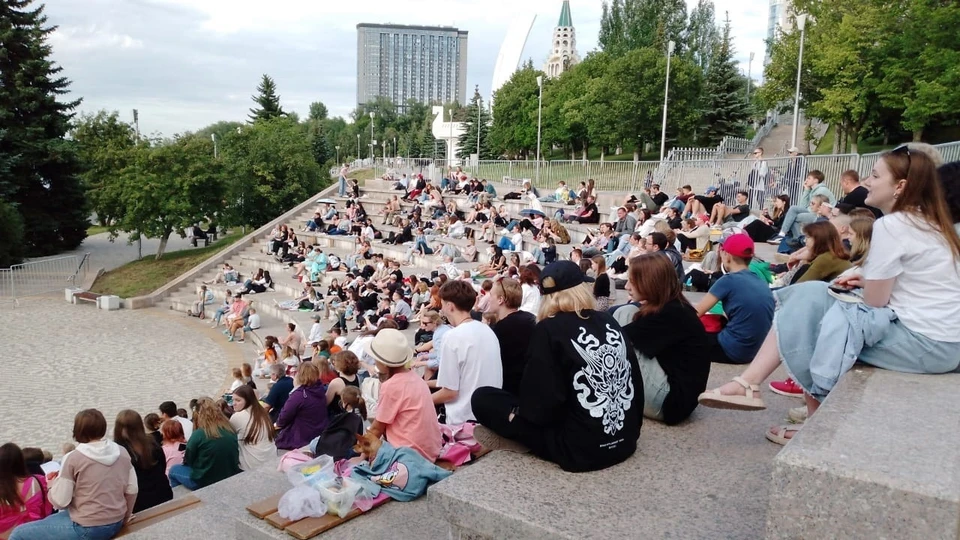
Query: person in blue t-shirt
[[747, 303]]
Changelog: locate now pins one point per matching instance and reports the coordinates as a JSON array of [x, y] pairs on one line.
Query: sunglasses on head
[[903, 150]]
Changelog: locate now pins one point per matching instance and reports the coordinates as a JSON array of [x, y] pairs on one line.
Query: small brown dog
[[367, 446]]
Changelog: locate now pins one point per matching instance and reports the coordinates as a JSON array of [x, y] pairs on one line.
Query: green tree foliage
[[468, 140], [514, 131], [702, 36], [319, 144], [267, 100], [11, 241], [318, 111], [103, 144], [38, 166], [168, 186], [627, 25], [271, 167], [724, 108]]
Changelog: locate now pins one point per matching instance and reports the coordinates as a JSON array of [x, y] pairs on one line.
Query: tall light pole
[[338, 153], [749, 77], [213, 137], [666, 94], [479, 110], [372, 142], [358, 146], [450, 147], [136, 125], [801, 24], [539, 119]]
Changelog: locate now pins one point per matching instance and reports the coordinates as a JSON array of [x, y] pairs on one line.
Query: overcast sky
[[188, 63]]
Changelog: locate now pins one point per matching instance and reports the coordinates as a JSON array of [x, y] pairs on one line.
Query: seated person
[[703, 204], [588, 214], [747, 303], [723, 214], [213, 451], [405, 412], [670, 341], [694, 233], [825, 256]]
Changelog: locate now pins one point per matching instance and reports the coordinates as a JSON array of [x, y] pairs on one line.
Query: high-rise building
[[563, 49], [425, 63], [781, 16]]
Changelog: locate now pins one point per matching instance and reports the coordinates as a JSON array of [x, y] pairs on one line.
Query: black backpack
[[338, 439]]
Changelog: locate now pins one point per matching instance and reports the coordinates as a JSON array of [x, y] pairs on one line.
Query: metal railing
[[42, 277]]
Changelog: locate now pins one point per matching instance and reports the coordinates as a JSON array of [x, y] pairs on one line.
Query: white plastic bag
[[338, 494], [316, 471], [301, 502]]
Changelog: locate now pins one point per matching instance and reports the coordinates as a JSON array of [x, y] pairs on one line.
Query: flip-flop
[[749, 402], [780, 436]]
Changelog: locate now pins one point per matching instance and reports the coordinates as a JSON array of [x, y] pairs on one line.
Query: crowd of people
[[538, 354]]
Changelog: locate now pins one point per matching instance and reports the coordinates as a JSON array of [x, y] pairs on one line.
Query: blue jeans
[[59, 526], [342, 188], [506, 245], [180, 476]]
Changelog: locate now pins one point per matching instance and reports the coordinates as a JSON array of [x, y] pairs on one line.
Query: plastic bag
[[316, 471], [301, 502], [338, 494]]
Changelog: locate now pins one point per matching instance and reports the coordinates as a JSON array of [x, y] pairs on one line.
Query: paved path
[[110, 255], [61, 358]]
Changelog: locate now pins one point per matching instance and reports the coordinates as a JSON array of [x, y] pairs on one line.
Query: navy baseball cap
[[560, 276]]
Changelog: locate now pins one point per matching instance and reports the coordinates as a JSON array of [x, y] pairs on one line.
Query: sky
[[185, 64]]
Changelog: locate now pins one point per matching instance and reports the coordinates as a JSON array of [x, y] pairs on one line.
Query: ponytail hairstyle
[[350, 397]]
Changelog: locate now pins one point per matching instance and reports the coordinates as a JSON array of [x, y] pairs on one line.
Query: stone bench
[[880, 459]]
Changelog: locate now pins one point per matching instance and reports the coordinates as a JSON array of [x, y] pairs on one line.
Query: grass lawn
[[96, 229], [147, 275]]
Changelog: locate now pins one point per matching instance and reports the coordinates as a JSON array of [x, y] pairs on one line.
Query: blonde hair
[[863, 230], [307, 374], [209, 418], [573, 300]]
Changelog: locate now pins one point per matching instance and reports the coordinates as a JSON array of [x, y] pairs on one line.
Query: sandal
[[748, 402], [780, 436], [797, 415]]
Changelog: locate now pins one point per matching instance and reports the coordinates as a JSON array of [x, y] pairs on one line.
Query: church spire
[[565, 19]]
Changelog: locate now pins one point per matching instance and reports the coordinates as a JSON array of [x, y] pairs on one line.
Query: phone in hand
[[839, 288], [182, 447]]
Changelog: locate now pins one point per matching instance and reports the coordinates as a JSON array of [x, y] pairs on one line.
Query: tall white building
[[781, 12], [564, 47]]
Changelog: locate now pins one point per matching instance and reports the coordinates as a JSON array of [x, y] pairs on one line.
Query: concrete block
[[880, 459], [69, 293], [108, 302]]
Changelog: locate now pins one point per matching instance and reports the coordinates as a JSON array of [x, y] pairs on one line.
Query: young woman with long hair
[[147, 457], [828, 258], [173, 445], [212, 452], [601, 285], [669, 339], [862, 230], [766, 226], [254, 429], [21, 494], [581, 396], [530, 284], [912, 269]]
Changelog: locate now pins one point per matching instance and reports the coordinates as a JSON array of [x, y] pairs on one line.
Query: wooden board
[[265, 507], [161, 512], [278, 521], [310, 527]]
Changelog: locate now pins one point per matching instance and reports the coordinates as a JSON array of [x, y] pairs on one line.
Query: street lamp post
[[801, 24], [479, 109], [539, 118], [213, 137], [666, 94], [749, 77], [358, 146], [450, 142], [372, 142], [338, 153]]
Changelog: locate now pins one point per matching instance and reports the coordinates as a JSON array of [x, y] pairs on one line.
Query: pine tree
[[318, 142], [267, 100], [467, 142], [725, 110], [38, 166]]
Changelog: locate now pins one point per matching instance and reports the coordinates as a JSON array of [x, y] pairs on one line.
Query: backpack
[[338, 438]]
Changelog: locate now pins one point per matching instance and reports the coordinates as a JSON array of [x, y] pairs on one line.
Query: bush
[[11, 241]]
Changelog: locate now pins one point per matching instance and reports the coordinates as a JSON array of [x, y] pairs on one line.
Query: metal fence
[[41, 277], [782, 174]]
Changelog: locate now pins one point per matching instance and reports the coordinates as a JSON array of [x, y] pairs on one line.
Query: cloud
[[188, 63]]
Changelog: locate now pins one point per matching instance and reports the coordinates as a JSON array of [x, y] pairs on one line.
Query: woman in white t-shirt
[[912, 270], [254, 429], [530, 284]]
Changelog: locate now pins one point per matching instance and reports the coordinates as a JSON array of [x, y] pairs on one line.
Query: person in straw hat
[[405, 412]]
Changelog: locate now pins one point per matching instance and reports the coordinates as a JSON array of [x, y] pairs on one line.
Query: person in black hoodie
[[148, 460], [581, 396], [671, 344]]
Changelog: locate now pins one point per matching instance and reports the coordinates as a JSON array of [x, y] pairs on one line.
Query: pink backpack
[[36, 507]]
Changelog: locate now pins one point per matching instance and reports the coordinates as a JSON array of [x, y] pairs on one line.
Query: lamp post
[[358, 146], [539, 118], [801, 24], [666, 94], [479, 109], [338, 153], [749, 77], [450, 141], [372, 142], [243, 227]]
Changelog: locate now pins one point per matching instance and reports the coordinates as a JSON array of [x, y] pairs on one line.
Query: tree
[[103, 144], [627, 25], [318, 142], [702, 35], [468, 140], [11, 241], [271, 168], [514, 130], [168, 186], [725, 109], [39, 172], [267, 100], [318, 111]]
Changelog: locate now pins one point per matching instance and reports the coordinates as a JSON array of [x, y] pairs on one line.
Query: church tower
[[563, 50]]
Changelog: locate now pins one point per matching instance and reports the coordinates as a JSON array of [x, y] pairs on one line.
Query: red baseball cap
[[739, 245]]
